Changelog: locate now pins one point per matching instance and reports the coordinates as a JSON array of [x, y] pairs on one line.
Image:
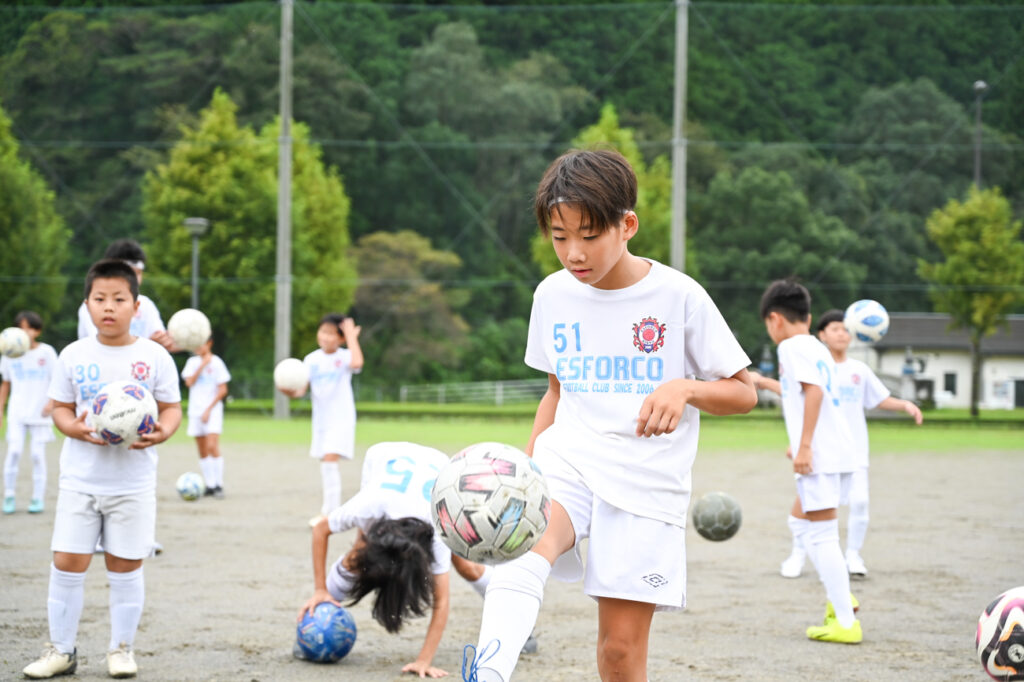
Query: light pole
[[197, 228], [979, 91]]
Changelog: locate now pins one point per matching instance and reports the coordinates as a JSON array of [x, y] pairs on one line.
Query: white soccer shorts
[[125, 524]]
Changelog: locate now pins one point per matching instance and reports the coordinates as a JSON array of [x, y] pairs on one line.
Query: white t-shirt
[[145, 323], [804, 359], [202, 393], [29, 376], [330, 383], [83, 368], [396, 483], [609, 351], [859, 390]]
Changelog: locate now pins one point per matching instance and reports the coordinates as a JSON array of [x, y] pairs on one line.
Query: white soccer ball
[[190, 328], [490, 503], [14, 342], [1000, 638], [190, 486], [291, 374], [123, 412], [717, 516], [866, 320]]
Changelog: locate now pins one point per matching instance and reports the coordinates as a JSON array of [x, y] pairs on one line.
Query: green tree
[[35, 237], [981, 277], [228, 174]]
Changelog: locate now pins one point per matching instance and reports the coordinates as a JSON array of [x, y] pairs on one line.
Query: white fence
[[492, 392]]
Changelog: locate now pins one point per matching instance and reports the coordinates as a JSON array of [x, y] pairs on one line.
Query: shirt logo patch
[[648, 335], [855, 378], [140, 371], [655, 580]]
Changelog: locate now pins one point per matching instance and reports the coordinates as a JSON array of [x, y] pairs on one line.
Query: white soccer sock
[[205, 467], [822, 542], [38, 470], [64, 608], [798, 528], [331, 477], [510, 611], [856, 525], [127, 595], [218, 471], [481, 583], [11, 470]]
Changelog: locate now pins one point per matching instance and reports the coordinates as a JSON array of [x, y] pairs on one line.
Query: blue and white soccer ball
[[123, 412], [14, 342], [190, 486], [867, 320], [327, 635], [1000, 638]]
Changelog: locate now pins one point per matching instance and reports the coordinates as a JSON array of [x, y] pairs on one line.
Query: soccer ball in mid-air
[[1000, 638], [717, 516], [14, 342], [291, 375], [190, 486], [867, 320], [190, 328], [326, 636], [490, 503], [123, 412]]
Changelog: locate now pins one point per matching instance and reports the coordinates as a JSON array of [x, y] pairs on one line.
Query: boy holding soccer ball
[[106, 492], [821, 447], [207, 379], [623, 341]]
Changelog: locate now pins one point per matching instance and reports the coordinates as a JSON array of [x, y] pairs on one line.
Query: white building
[[922, 347]]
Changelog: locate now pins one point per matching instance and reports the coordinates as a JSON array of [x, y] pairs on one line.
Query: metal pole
[[677, 244], [283, 294], [195, 271], [979, 89]]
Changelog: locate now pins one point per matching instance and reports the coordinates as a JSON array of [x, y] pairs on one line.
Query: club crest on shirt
[[648, 335], [855, 378], [140, 371]]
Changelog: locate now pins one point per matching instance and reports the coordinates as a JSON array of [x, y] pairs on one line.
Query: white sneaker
[[121, 662], [855, 565], [51, 664], [793, 566]]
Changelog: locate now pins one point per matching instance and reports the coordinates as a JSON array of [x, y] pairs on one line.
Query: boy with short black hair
[[633, 350], [821, 447], [107, 492], [25, 380]]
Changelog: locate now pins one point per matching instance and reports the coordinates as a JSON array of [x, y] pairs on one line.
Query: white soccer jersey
[[859, 390], [202, 393], [396, 483], [609, 350], [83, 368], [29, 377], [804, 359], [330, 383], [145, 322]]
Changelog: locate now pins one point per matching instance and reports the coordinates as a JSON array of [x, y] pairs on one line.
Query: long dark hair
[[395, 563]]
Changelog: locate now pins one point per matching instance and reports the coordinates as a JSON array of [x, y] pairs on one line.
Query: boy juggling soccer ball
[[859, 389], [623, 340], [821, 446], [26, 380], [207, 379], [331, 367], [107, 492]]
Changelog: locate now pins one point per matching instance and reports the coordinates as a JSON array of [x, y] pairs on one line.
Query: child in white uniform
[[107, 492], [396, 554], [26, 380], [334, 409], [623, 341], [821, 446], [207, 379]]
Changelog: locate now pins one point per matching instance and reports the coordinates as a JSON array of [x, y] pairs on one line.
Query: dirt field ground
[[945, 538]]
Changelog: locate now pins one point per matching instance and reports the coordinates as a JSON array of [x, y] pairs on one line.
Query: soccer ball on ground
[[291, 374], [717, 516], [14, 342], [867, 320], [190, 486], [190, 328], [326, 636], [123, 412], [1000, 638], [490, 503]]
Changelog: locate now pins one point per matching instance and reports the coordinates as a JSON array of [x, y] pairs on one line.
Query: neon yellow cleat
[[832, 631], [830, 611]]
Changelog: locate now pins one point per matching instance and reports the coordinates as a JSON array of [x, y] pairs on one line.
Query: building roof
[[923, 331]]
